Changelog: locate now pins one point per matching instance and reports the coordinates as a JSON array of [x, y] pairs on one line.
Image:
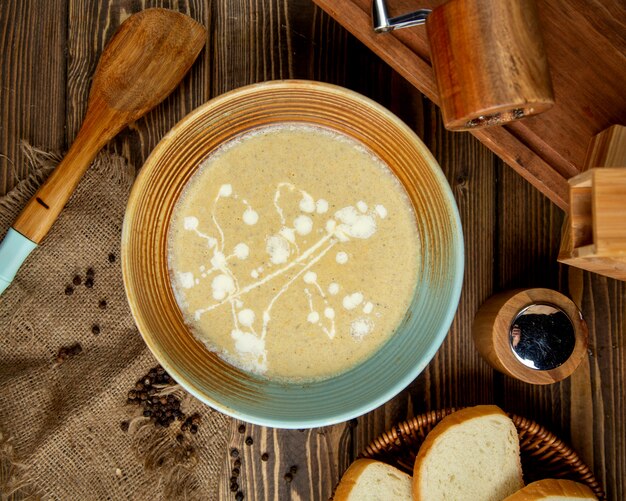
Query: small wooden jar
[[489, 62], [502, 327]]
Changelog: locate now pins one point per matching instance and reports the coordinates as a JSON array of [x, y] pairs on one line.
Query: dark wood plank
[[32, 81], [90, 26], [586, 410], [604, 307], [528, 242], [511, 231], [266, 463]]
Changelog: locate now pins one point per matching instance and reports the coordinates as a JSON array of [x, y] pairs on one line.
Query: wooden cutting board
[[585, 41]]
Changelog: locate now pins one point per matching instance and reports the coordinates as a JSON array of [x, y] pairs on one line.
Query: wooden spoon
[[144, 61]]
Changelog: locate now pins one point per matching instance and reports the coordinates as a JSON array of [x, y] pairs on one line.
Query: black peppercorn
[[124, 426], [242, 428], [95, 329], [293, 470], [249, 441], [193, 428], [234, 487], [102, 304], [180, 438], [234, 453], [288, 477], [237, 463], [236, 472], [89, 283], [77, 280], [239, 496], [69, 290], [111, 257], [90, 272], [147, 413], [265, 456]]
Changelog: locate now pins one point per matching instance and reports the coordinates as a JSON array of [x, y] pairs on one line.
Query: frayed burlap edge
[[16, 483], [157, 449], [39, 165]]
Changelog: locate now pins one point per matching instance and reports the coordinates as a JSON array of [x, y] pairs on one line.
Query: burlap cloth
[[60, 432]]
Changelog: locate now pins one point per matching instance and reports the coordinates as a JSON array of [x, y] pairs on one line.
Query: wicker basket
[[543, 454]]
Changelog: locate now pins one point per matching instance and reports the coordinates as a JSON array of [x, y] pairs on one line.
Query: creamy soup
[[293, 252]]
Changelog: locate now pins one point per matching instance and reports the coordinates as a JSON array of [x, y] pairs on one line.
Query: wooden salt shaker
[[535, 335]]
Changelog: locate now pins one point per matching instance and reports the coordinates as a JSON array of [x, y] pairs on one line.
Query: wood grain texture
[[32, 81], [144, 61], [90, 26], [284, 464], [511, 231], [481, 83], [587, 60], [604, 307], [594, 231]]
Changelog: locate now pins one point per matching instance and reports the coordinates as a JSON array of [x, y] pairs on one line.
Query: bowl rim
[[456, 263]]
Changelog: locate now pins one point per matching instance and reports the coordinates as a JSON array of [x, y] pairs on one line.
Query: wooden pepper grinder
[[535, 335], [488, 59]]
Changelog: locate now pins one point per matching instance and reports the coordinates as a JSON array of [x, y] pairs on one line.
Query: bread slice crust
[[352, 476], [553, 488], [457, 418]]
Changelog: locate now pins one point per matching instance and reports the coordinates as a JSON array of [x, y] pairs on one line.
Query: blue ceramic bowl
[[203, 373]]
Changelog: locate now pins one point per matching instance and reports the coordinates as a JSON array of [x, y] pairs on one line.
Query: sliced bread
[[553, 489], [472, 454], [369, 480]]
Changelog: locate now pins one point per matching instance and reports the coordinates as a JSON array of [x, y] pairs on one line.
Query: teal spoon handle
[[14, 250]]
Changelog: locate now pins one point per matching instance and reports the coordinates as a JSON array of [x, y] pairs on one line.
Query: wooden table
[[48, 52]]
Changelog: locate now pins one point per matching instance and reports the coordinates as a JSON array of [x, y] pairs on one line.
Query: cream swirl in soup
[[293, 252]]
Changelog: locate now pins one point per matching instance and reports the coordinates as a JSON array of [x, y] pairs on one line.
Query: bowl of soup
[[292, 254]]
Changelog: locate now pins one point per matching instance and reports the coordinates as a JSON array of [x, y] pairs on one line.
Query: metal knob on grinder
[[535, 335], [487, 56]]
